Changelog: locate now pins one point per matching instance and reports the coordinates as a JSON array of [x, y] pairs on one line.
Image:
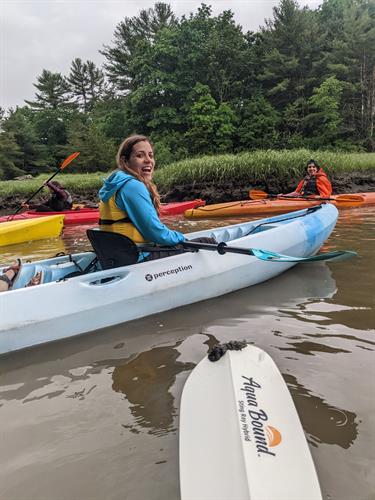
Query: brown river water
[[97, 417]]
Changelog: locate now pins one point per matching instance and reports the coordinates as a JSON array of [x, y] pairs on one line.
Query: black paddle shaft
[[220, 248], [64, 164], [36, 192]]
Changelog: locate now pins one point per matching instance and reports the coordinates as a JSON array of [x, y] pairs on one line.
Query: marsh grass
[[241, 169], [77, 183], [260, 165]]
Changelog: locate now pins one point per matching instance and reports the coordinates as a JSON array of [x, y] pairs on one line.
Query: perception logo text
[[168, 272]]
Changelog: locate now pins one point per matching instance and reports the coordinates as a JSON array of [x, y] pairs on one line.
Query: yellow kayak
[[19, 231]]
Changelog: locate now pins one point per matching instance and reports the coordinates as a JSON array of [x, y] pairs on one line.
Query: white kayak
[[61, 308], [240, 434]]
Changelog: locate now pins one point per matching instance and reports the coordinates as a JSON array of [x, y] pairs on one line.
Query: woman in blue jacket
[[129, 200]]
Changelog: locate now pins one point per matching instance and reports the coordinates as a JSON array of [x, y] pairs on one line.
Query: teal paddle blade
[[278, 257]]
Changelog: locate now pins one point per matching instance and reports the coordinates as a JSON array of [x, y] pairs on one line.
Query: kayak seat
[[113, 249], [28, 271], [49, 273]]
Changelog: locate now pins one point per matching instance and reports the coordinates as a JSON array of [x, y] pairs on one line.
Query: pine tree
[[325, 120], [86, 83], [350, 57], [53, 91], [290, 46], [131, 36]]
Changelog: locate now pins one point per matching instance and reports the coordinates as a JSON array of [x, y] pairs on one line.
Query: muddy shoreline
[[213, 192]]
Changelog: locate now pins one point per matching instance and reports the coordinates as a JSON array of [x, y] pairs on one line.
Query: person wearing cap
[[59, 201], [315, 183]]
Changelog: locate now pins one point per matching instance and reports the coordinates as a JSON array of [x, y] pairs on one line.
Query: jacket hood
[[321, 172], [113, 183]]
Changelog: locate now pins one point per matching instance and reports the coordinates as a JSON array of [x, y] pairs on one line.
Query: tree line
[[200, 85]]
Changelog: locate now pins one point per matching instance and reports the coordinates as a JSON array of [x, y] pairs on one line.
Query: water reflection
[[33, 250], [323, 422], [33, 388], [333, 311], [146, 381], [308, 348], [346, 337]]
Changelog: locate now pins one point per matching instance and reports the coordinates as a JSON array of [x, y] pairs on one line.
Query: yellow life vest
[[116, 220]]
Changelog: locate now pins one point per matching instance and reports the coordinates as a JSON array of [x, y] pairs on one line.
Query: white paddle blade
[[240, 434]]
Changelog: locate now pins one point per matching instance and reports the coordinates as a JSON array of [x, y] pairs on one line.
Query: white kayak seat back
[[113, 249]]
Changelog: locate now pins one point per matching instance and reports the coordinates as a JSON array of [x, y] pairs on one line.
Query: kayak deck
[[19, 231], [271, 206]]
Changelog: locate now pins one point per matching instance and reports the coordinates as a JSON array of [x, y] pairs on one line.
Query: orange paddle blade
[[257, 194], [68, 160], [356, 198]]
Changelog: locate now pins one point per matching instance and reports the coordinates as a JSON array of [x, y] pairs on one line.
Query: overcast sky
[[49, 34]]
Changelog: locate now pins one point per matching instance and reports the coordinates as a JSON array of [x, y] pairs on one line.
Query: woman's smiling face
[[142, 159], [312, 169]]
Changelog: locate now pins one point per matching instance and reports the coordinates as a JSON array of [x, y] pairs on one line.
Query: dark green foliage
[[211, 125], [325, 121], [291, 44], [258, 128], [10, 155], [97, 151], [32, 156], [86, 83], [129, 34], [350, 57], [51, 126]]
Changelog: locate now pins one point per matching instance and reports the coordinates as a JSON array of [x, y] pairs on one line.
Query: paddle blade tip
[[69, 159], [256, 194], [344, 255]]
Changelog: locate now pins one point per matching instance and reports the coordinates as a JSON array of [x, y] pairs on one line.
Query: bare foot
[[4, 285], [36, 279], [8, 276]]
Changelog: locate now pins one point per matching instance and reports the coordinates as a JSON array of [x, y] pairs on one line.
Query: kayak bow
[[19, 231]]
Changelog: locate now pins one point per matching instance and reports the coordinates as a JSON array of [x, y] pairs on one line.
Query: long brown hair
[[123, 156]]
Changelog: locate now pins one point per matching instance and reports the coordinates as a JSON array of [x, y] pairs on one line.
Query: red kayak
[[91, 215]]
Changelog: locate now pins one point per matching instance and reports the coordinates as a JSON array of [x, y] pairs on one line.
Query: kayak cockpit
[[57, 269]]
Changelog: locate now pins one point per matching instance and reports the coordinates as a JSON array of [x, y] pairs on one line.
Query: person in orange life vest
[[129, 200], [315, 183]]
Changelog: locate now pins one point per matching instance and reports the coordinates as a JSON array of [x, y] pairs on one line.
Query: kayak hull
[[270, 206], [28, 230], [91, 215], [57, 310]]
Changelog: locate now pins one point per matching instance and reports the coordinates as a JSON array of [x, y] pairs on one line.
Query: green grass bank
[[219, 178]]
